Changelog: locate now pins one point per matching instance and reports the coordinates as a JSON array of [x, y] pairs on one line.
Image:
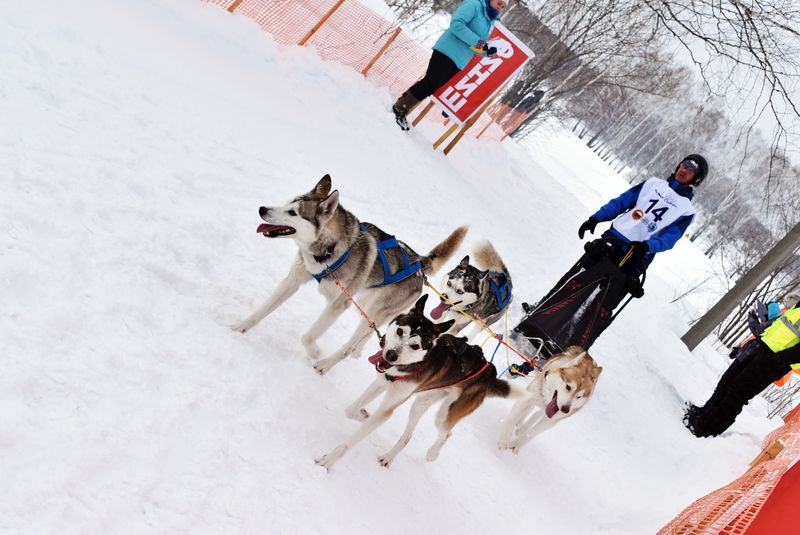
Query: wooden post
[[234, 5], [388, 42], [322, 21], [769, 453], [423, 113], [469, 123], [445, 136], [484, 128]]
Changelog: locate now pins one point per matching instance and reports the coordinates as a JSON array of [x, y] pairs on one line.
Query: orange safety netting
[[733, 508], [347, 32]]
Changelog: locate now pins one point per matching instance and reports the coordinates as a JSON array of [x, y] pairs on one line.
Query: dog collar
[[327, 256], [332, 267]]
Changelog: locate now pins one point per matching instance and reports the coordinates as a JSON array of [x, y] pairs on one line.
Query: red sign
[[483, 76]]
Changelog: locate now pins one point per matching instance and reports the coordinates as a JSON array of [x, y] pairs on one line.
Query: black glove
[[589, 225], [634, 287], [488, 50], [639, 249], [597, 249]]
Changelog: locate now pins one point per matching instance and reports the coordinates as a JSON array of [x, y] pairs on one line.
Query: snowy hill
[[138, 140]]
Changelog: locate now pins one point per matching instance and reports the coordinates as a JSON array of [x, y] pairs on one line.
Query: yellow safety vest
[[784, 332]]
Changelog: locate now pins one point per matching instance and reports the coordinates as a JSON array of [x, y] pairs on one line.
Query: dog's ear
[[323, 187], [443, 327], [596, 372], [464, 261], [328, 206], [419, 306]]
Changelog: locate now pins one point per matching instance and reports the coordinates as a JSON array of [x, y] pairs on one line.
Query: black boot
[[404, 105]]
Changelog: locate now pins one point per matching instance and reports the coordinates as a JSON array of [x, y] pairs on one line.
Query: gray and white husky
[[483, 291], [384, 275]]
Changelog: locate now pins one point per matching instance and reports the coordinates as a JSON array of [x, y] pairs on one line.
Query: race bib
[[657, 207]]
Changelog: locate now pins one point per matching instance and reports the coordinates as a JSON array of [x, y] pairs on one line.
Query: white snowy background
[[137, 141]]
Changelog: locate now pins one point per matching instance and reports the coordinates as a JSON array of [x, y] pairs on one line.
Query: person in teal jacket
[[469, 29]]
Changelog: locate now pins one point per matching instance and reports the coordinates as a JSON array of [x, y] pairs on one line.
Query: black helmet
[[701, 162]]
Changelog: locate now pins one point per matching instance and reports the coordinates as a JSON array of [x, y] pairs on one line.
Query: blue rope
[[499, 337]]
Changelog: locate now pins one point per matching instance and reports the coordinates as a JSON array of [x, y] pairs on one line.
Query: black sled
[[577, 310]]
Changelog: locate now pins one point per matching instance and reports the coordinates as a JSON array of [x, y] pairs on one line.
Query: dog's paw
[[329, 459], [359, 414], [503, 444], [433, 454], [243, 326], [324, 365], [385, 461]]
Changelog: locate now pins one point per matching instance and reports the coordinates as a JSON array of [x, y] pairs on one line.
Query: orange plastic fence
[[733, 508], [347, 32]]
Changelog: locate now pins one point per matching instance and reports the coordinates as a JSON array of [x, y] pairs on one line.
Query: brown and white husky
[[563, 385], [422, 362]]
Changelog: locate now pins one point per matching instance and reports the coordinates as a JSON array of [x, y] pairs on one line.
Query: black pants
[[440, 69], [752, 371], [631, 269]]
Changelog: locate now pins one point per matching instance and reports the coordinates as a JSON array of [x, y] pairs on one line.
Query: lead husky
[[563, 385], [420, 360], [333, 245], [483, 291]]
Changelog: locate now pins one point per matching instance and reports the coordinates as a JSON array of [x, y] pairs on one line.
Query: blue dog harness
[[502, 292], [407, 270]]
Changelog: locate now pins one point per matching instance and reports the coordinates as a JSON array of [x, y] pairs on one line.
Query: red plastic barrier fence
[[732, 509], [347, 32]]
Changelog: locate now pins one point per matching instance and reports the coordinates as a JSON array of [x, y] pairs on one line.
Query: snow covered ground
[[138, 140]]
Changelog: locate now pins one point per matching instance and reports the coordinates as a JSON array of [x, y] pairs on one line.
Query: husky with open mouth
[[483, 292], [383, 274], [563, 385], [418, 360]]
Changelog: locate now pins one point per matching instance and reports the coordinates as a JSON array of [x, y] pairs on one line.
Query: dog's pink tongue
[[380, 363], [437, 312], [376, 358], [263, 227], [552, 407]]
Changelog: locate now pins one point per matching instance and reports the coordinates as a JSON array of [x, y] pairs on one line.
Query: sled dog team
[[419, 358]]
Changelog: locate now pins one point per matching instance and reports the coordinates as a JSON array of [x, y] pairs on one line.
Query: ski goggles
[[691, 165]]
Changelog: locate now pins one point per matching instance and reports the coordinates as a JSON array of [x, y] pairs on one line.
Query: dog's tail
[[503, 389], [486, 257], [434, 260]]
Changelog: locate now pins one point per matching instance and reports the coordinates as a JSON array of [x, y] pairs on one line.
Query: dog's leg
[[357, 410], [395, 396], [517, 415], [422, 403], [540, 425], [377, 309], [441, 424], [330, 314], [356, 342], [298, 275]]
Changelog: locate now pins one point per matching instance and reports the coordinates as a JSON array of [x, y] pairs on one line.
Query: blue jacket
[[662, 241], [470, 23]]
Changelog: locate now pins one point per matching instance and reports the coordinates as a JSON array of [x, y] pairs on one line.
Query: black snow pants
[[440, 69], [753, 370]]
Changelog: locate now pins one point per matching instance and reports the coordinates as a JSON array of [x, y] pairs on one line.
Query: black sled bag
[[577, 312]]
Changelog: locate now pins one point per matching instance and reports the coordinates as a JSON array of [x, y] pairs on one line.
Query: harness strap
[[502, 292], [405, 271], [480, 371], [332, 267]]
